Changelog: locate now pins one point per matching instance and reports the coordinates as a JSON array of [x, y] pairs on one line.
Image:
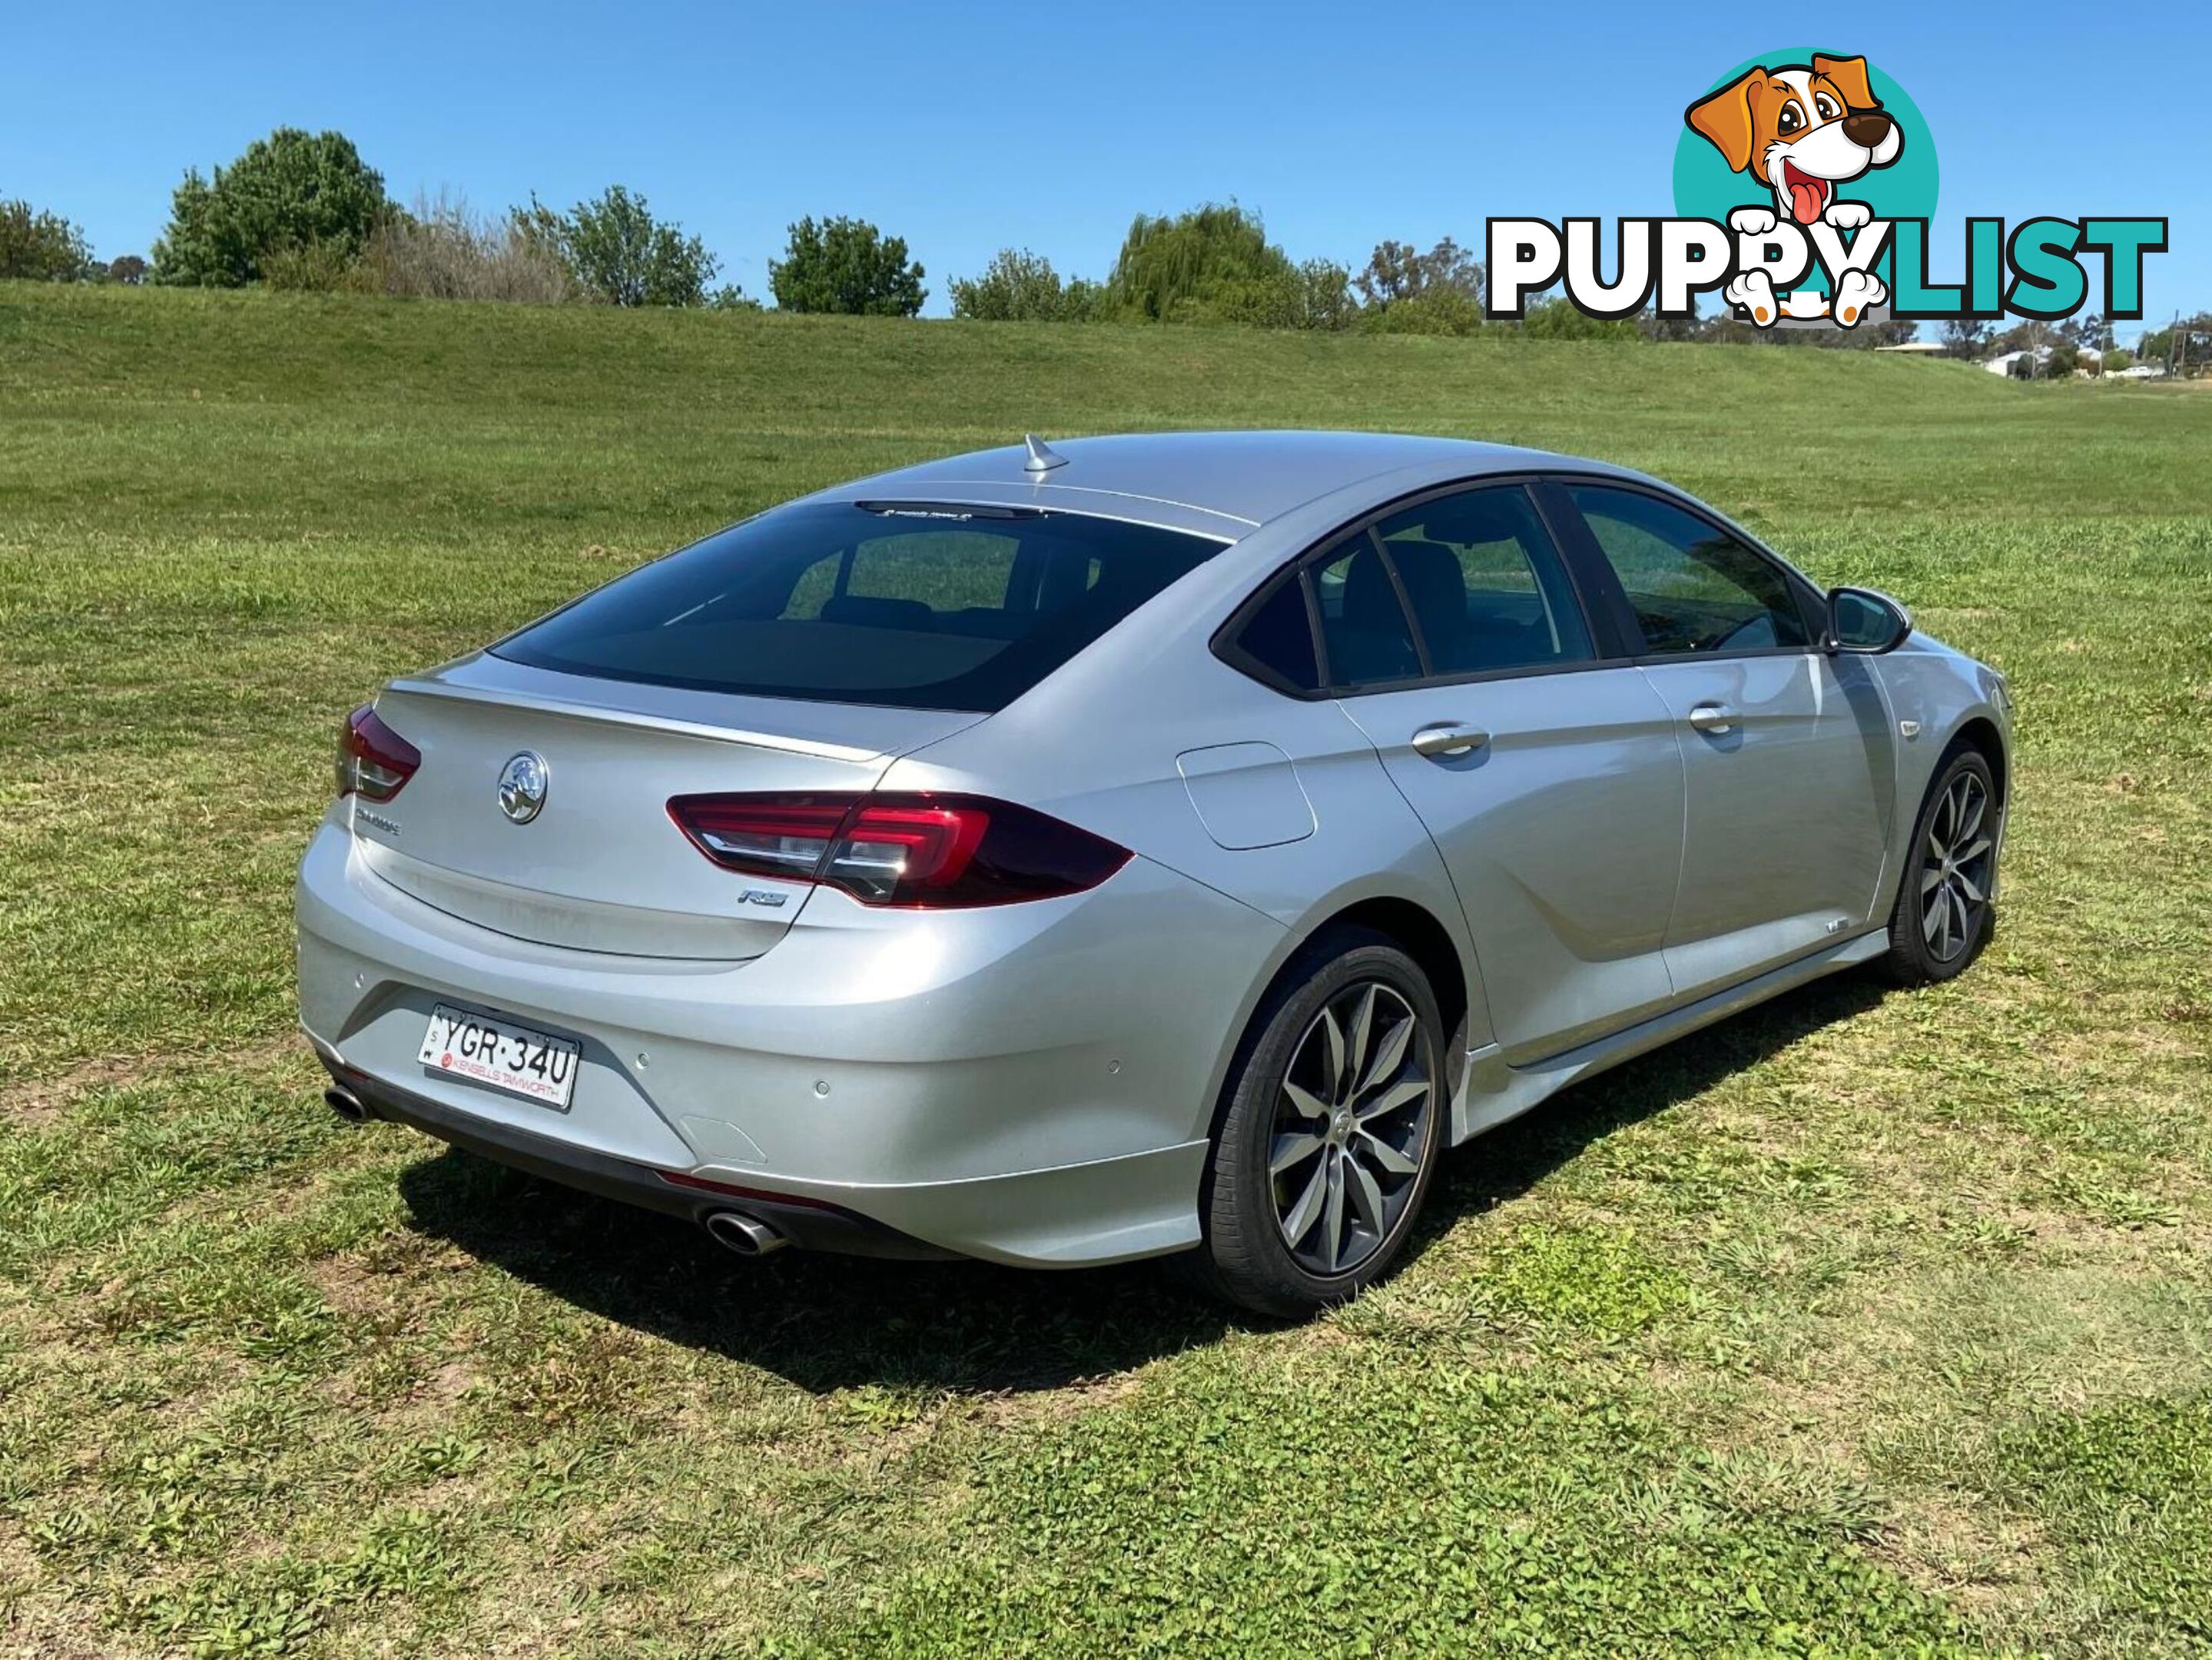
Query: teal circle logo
[[1742, 125]]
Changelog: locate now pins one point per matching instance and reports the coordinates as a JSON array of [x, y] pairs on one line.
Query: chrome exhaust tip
[[748, 1236], [348, 1106]]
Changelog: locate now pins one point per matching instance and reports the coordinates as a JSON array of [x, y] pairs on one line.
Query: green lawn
[[1859, 1324]]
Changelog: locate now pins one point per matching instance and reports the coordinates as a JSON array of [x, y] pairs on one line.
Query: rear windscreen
[[921, 606]]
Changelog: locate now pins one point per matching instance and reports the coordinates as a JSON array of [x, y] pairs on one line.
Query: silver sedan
[[1136, 846]]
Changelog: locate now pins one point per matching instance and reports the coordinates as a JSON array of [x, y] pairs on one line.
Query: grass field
[[1861, 1325]]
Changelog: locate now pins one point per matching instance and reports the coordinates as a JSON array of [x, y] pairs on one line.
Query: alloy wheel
[[1955, 868], [1351, 1127]]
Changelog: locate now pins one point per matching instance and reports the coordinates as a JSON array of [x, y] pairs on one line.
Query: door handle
[[1448, 739], [1713, 719]]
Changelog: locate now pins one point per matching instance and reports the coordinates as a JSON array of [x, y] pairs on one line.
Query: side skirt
[[1490, 1092]]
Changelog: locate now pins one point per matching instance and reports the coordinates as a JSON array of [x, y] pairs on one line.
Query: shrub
[[1559, 319], [1440, 310], [126, 269], [848, 267], [315, 268], [1260, 301], [1315, 295], [444, 251], [308, 200], [42, 247], [617, 252], [1021, 286], [1086, 300], [2117, 359]]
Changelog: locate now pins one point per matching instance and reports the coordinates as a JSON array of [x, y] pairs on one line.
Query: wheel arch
[[1414, 927], [1423, 938], [1978, 729], [1409, 924], [1979, 732]]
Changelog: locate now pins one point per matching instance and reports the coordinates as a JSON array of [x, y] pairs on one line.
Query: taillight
[[374, 760], [927, 851]]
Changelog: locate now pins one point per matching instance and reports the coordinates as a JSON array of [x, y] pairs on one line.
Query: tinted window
[[1487, 585], [1693, 587], [1362, 626], [1278, 636], [929, 608]]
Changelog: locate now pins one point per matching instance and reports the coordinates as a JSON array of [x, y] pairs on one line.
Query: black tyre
[[1330, 1134], [1946, 906]]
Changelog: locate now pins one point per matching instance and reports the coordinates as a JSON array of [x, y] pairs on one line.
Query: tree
[[1391, 274], [1020, 287], [44, 247], [2088, 330], [291, 192], [127, 269], [619, 253], [2065, 357], [2036, 342], [1964, 337], [1325, 299], [1211, 263], [1396, 273], [1891, 331], [1405, 291], [848, 267]]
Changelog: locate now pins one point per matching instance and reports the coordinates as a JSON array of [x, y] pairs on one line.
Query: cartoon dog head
[[1802, 130]]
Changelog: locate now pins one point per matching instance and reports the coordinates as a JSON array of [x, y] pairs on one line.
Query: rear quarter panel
[[1099, 745]]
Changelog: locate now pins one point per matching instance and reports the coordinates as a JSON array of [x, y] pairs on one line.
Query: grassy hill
[[1864, 1322], [688, 418]]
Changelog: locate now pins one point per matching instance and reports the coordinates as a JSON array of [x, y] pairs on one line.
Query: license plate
[[505, 1056]]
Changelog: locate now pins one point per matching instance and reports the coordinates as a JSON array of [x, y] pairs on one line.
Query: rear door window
[[922, 606], [1487, 585]]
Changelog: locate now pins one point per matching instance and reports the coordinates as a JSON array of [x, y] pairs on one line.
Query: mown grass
[[1859, 1325]]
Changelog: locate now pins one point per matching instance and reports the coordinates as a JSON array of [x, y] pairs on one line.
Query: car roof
[[1241, 479]]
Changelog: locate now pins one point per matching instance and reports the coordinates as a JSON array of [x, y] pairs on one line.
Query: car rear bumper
[[814, 1225], [1030, 1084]]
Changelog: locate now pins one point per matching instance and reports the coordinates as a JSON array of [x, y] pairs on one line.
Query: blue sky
[[963, 127]]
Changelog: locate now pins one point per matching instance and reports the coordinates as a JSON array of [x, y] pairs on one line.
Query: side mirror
[[1862, 621]]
